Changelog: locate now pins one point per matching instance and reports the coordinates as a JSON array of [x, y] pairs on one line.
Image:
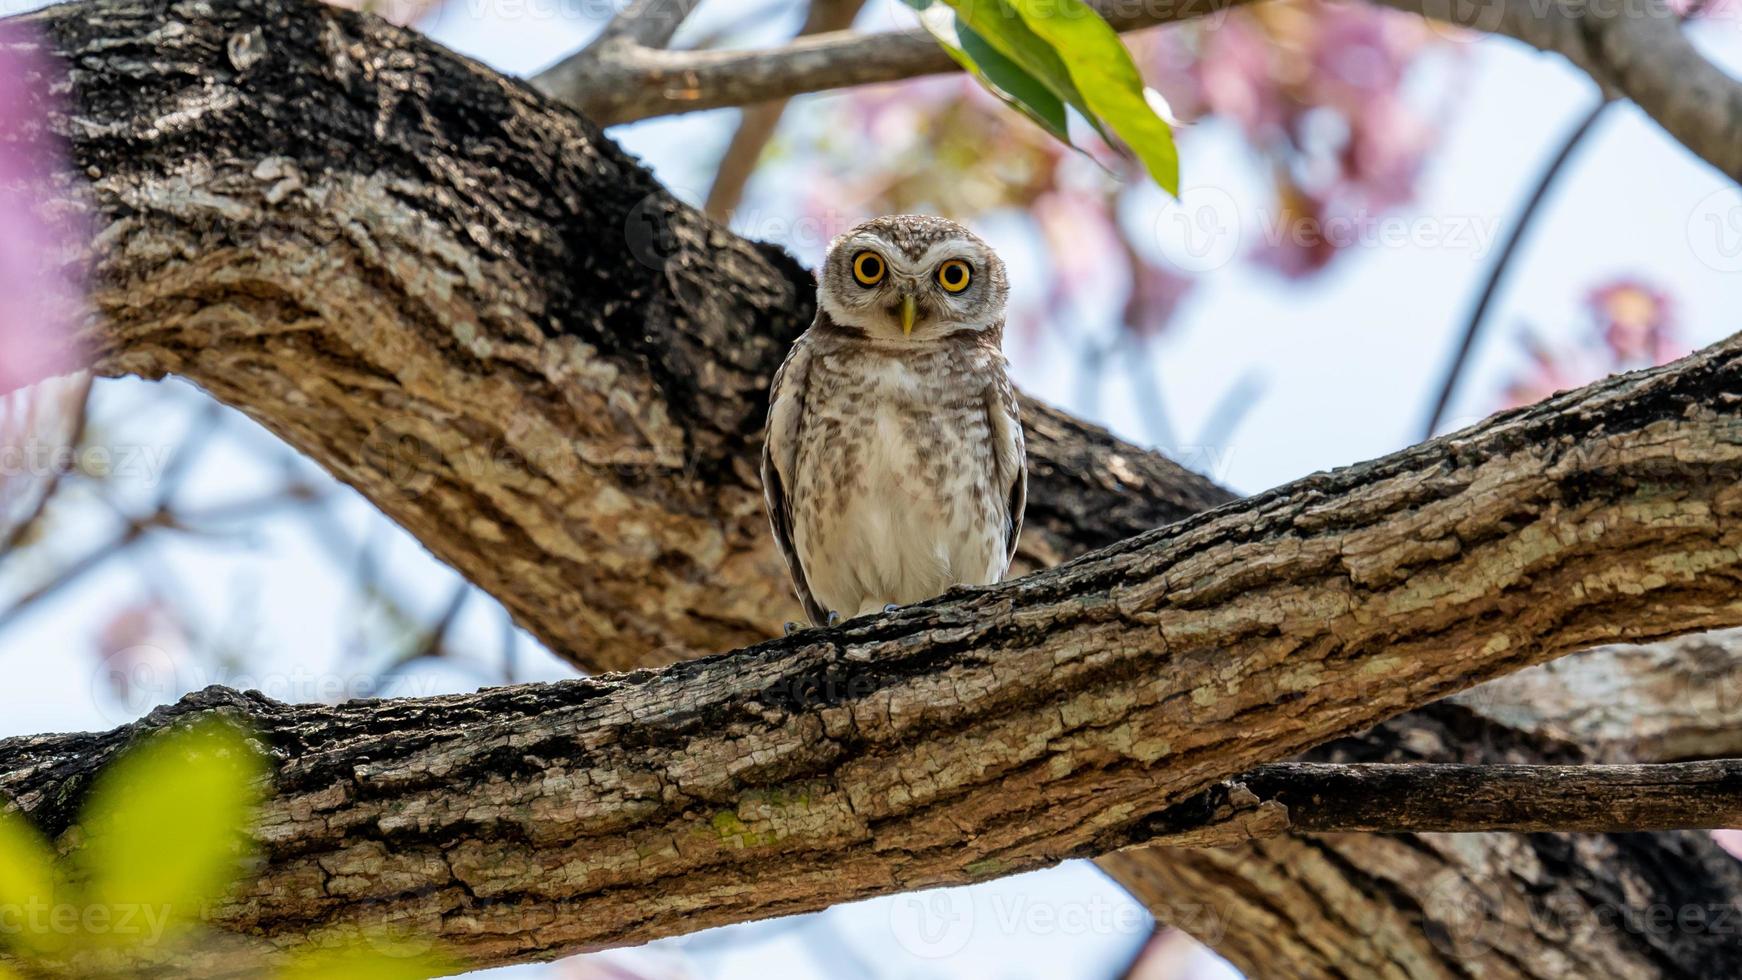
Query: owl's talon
[[834, 618], [890, 607], [792, 628]]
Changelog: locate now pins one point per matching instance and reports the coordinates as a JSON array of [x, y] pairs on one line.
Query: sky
[[1344, 365]]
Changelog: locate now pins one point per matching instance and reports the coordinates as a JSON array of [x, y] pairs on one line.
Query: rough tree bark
[[1002, 729], [472, 307]]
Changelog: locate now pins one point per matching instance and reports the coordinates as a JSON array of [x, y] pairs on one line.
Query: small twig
[[510, 649], [432, 646], [1326, 798], [1231, 409], [1146, 392], [135, 528], [644, 23], [21, 532], [1497, 272]]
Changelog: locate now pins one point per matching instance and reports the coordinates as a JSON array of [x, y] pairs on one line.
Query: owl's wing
[[779, 459], [1009, 457]]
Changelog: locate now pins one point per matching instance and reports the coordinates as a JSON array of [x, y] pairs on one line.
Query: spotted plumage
[[894, 465]]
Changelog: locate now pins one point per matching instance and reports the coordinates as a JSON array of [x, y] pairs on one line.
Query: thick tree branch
[[1002, 729], [1674, 700]]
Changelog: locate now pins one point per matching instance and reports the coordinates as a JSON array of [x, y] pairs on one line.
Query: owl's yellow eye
[[868, 268], [954, 275]]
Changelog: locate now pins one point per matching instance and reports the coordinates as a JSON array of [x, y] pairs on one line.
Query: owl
[[894, 465]]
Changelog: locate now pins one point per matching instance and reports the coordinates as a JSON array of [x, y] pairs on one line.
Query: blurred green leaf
[[27, 883], [166, 823], [998, 74], [358, 962], [1107, 79]]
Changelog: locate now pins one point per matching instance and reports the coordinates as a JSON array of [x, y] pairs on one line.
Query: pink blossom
[[41, 291], [1636, 323], [1632, 326]]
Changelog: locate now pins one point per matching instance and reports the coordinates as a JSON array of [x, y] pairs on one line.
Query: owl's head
[[914, 277]]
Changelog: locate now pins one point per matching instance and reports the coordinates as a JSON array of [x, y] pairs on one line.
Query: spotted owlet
[[894, 466]]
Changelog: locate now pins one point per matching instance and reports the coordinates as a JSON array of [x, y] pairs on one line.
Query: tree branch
[[1680, 699], [1632, 47], [1503, 262], [625, 84], [1002, 729], [1328, 798], [644, 24], [1635, 48]]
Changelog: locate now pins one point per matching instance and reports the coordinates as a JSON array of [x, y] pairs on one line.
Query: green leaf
[[166, 823], [27, 888], [1107, 79], [357, 962], [1005, 32], [998, 74]]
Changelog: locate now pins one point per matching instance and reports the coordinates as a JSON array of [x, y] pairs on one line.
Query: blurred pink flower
[[1636, 323], [41, 288], [1236, 78], [1632, 326], [1319, 90], [141, 651]]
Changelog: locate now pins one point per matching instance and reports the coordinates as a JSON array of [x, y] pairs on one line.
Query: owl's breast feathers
[[892, 472]]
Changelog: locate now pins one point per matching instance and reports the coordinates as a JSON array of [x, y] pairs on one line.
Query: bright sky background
[[1347, 363]]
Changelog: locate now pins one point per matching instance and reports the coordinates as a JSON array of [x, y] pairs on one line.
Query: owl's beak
[[909, 310]]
